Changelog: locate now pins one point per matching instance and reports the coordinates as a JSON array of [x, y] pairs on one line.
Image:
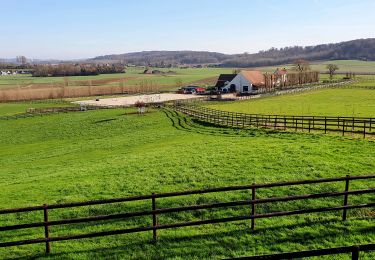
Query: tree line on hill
[[361, 49], [165, 59], [76, 69], [64, 69]]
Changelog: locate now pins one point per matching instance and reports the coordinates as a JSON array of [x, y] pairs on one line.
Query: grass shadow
[[217, 240]]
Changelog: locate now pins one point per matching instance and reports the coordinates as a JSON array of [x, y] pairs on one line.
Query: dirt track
[[131, 100]]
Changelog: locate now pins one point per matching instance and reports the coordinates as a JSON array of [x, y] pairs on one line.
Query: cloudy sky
[[72, 29]]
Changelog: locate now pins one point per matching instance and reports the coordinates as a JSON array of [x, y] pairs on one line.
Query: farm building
[[223, 80], [246, 81], [5, 73], [250, 81]]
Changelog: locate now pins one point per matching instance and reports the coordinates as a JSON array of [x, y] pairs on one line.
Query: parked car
[[200, 90], [191, 90]]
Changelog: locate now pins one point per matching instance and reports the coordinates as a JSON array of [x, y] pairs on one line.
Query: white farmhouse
[[247, 81]]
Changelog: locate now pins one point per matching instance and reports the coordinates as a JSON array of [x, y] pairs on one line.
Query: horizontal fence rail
[[293, 89], [155, 211], [355, 125], [353, 250]]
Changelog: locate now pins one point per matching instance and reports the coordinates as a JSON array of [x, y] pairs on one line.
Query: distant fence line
[[297, 89], [348, 72], [32, 112], [355, 125], [155, 211]]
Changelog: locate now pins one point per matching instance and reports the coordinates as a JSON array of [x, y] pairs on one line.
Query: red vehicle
[[191, 90]]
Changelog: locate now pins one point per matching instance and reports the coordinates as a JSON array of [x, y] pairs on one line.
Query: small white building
[[281, 77], [247, 81]]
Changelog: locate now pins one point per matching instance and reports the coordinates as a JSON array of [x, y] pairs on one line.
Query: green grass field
[[113, 153], [329, 102]]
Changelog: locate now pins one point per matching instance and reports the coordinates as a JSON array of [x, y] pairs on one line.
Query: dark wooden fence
[[356, 125], [353, 250], [155, 211]]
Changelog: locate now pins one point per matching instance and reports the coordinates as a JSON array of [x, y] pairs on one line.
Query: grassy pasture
[[330, 102], [104, 154]]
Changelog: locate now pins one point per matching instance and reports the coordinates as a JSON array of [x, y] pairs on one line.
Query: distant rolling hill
[[361, 49]]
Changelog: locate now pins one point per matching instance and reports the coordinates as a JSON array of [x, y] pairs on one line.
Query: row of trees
[[302, 65], [76, 69]]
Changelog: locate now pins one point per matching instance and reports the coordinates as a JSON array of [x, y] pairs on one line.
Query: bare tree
[[301, 65], [21, 59], [332, 69]]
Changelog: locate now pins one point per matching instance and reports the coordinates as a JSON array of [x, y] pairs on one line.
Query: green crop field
[[114, 153], [329, 102]]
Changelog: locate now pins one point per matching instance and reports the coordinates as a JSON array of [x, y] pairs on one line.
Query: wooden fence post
[[253, 197], [353, 125], [269, 121], [325, 124], [344, 213], [364, 129], [313, 118], [154, 219], [46, 228], [355, 253], [264, 120], [275, 122], [343, 127]]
